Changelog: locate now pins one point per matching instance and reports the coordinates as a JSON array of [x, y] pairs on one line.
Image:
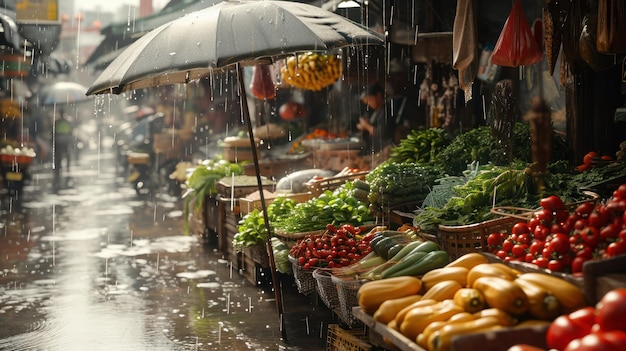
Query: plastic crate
[[347, 290], [326, 288], [339, 339], [303, 277]]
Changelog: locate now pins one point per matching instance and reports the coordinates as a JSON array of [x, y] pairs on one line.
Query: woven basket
[[347, 290], [303, 277], [462, 239], [326, 288]]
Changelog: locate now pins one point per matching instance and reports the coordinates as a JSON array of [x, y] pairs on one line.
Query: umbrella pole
[[255, 158]]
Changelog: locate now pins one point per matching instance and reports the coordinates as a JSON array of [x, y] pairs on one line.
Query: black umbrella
[[230, 34]]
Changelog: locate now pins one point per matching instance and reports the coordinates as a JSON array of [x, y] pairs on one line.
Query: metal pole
[[255, 158]]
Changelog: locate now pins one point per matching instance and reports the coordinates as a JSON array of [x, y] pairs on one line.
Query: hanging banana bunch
[[311, 71]]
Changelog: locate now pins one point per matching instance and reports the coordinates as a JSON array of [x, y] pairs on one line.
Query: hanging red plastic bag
[[516, 45], [262, 85]]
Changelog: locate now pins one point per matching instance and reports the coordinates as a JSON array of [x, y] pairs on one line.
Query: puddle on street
[[95, 267]]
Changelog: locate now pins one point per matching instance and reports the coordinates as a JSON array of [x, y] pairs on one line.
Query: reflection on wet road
[[94, 267]]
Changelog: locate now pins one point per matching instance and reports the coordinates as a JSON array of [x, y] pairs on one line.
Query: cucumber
[[417, 264], [360, 184], [383, 246]]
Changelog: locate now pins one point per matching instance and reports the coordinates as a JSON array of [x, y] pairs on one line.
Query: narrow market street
[[92, 266]]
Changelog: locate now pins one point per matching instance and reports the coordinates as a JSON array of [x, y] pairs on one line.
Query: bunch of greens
[[331, 207], [420, 146], [202, 183], [251, 228], [281, 256], [393, 184]]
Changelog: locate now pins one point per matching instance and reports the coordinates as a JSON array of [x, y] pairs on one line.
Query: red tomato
[[559, 243], [507, 246], [584, 209], [541, 232], [577, 264], [545, 217], [585, 252], [611, 310], [568, 327], [610, 231], [502, 254], [520, 228], [529, 258], [622, 234], [616, 248], [598, 219], [541, 262], [599, 341], [555, 265], [552, 203], [620, 192], [591, 236], [523, 239], [494, 239], [536, 247], [519, 250]]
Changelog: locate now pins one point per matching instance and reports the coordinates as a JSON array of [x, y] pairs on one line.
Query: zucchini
[[394, 250], [413, 264], [406, 250]]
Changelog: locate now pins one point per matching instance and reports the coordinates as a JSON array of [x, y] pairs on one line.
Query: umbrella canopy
[[62, 93], [222, 35]]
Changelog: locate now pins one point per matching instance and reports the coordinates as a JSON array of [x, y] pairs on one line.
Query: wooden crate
[[602, 276], [247, 205]]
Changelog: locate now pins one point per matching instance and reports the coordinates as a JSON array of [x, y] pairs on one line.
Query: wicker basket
[[326, 288], [303, 277], [347, 290], [339, 339], [317, 187], [462, 239]]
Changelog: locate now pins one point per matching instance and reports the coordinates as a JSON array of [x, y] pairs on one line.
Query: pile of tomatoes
[[562, 239], [335, 248], [592, 328]]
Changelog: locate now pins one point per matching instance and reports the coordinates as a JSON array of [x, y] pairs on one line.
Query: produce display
[[336, 207], [563, 239], [393, 184], [468, 295], [202, 183], [592, 328], [334, 248], [311, 71]]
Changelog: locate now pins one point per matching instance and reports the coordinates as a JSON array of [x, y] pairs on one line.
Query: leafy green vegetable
[[201, 183]]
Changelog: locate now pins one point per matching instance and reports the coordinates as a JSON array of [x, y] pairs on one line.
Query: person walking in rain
[[63, 138]]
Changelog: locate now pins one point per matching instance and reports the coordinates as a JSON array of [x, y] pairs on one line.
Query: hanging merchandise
[[516, 45], [611, 35], [262, 86], [311, 71], [465, 46], [572, 29], [554, 14], [587, 46]]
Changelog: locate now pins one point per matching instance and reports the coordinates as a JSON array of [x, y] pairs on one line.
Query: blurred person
[[385, 123], [63, 139]]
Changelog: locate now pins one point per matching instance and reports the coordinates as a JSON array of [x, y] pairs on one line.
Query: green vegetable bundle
[[331, 207], [201, 183], [420, 146], [393, 184]]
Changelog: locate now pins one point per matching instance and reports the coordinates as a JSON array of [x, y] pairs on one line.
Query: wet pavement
[[92, 266]]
